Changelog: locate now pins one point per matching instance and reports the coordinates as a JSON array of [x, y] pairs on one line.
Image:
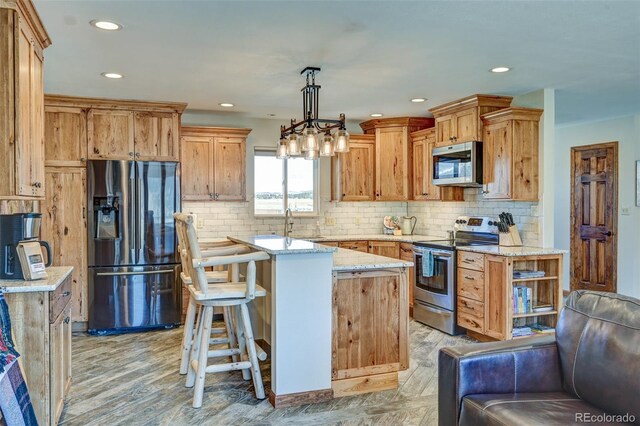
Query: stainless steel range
[[435, 287]]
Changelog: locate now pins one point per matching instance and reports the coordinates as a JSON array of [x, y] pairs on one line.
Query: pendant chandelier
[[312, 137]]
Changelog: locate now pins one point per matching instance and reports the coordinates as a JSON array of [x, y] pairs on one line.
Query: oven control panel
[[476, 224]]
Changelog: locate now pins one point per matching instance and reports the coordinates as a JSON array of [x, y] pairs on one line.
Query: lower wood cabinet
[[41, 327], [406, 253], [385, 248], [362, 246], [369, 330]]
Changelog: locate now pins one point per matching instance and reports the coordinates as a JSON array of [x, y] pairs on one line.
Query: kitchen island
[[336, 319]]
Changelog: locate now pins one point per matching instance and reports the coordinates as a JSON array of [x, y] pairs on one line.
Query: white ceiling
[[375, 56]]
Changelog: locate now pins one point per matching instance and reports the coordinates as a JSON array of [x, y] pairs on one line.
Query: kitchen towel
[[427, 263]]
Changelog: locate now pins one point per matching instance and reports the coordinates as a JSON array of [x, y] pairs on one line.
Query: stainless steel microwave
[[458, 165]]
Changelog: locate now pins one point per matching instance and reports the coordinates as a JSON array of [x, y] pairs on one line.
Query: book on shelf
[[522, 300], [526, 273], [543, 308], [522, 331], [541, 328]]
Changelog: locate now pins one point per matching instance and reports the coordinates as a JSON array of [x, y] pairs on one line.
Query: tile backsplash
[[435, 218]]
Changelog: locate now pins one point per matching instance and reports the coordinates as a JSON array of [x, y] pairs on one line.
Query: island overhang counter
[[336, 320]]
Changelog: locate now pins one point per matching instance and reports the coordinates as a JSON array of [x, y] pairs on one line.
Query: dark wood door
[[594, 217]]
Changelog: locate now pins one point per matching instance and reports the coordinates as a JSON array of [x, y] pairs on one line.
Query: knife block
[[511, 238]]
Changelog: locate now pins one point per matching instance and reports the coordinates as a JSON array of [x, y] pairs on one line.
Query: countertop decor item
[[306, 135]]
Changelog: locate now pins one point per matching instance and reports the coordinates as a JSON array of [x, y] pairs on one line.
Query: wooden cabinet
[[362, 246], [41, 327], [353, 172], [22, 41], [77, 129], [485, 294], [406, 253], [385, 248], [459, 121], [215, 163], [157, 136], [64, 226], [423, 142], [65, 136], [369, 330], [110, 134], [394, 164], [510, 147]]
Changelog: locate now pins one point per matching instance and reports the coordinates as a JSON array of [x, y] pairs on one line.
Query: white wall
[[626, 131]]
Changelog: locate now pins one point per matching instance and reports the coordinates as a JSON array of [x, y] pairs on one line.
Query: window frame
[[263, 151]]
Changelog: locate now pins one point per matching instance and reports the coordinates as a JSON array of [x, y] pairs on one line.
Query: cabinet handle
[[467, 277], [82, 159], [83, 213], [216, 195], [467, 261], [96, 150], [66, 293], [343, 195], [66, 320]]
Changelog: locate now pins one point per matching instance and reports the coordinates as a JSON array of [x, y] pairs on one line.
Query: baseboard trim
[[79, 326], [480, 337], [365, 384], [301, 398]]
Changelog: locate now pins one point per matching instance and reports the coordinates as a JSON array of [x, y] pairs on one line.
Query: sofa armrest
[[529, 365]]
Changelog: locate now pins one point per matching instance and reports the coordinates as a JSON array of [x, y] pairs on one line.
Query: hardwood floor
[[133, 379]]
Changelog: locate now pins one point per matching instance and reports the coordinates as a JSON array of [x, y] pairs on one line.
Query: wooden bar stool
[[233, 294]]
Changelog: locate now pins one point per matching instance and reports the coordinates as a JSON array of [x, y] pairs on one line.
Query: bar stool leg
[[253, 357], [187, 339], [228, 322], [207, 315], [195, 346], [246, 375]]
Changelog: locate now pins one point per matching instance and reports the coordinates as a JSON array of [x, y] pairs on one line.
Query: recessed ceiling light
[[376, 114], [417, 100], [112, 75], [500, 69], [226, 105], [106, 25]]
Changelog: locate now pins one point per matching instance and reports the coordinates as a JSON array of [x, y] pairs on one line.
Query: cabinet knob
[[82, 159], [66, 320], [216, 195], [137, 155], [484, 192], [130, 154]]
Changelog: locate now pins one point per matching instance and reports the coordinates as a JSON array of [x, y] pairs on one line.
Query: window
[[279, 183]]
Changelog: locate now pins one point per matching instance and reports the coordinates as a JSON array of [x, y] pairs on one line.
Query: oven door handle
[[435, 253]]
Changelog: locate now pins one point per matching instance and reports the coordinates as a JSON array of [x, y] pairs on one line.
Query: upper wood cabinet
[[394, 165], [22, 41], [510, 148], [214, 160], [65, 136], [423, 142], [157, 136], [459, 121], [353, 172], [77, 129], [110, 134]]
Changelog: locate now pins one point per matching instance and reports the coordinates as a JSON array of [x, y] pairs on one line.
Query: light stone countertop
[[351, 260], [278, 245], [56, 275], [373, 237], [513, 251]]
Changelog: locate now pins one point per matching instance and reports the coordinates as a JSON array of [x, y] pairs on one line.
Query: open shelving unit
[[545, 290]]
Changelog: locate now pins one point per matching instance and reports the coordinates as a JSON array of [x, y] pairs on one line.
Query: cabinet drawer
[[362, 246], [58, 299], [470, 260], [470, 314], [471, 284]]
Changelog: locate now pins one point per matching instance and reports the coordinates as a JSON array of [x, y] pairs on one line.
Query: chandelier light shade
[[326, 147], [342, 141], [303, 136]]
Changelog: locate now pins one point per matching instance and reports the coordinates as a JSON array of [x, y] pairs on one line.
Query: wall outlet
[[330, 221], [626, 211], [200, 223]]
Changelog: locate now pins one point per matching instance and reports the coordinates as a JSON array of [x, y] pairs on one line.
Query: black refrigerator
[[134, 272]]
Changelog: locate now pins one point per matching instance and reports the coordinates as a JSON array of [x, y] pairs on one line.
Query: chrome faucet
[[288, 222]]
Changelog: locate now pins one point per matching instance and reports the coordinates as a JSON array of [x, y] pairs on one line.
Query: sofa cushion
[[598, 336], [548, 408]]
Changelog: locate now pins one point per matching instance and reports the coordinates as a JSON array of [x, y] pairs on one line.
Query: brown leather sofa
[[589, 372]]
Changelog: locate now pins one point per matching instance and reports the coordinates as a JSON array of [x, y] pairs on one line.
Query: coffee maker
[[15, 228]]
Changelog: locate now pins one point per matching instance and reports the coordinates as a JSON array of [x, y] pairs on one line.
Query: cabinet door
[[156, 136], [357, 172], [420, 174], [393, 167], [65, 136], [67, 330], [229, 169], [56, 368], [110, 135], [497, 160], [385, 248], [36, 160], [197, 167], [498, 293], [465, 125], [64, 226], [406, 253], [444, 130]]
